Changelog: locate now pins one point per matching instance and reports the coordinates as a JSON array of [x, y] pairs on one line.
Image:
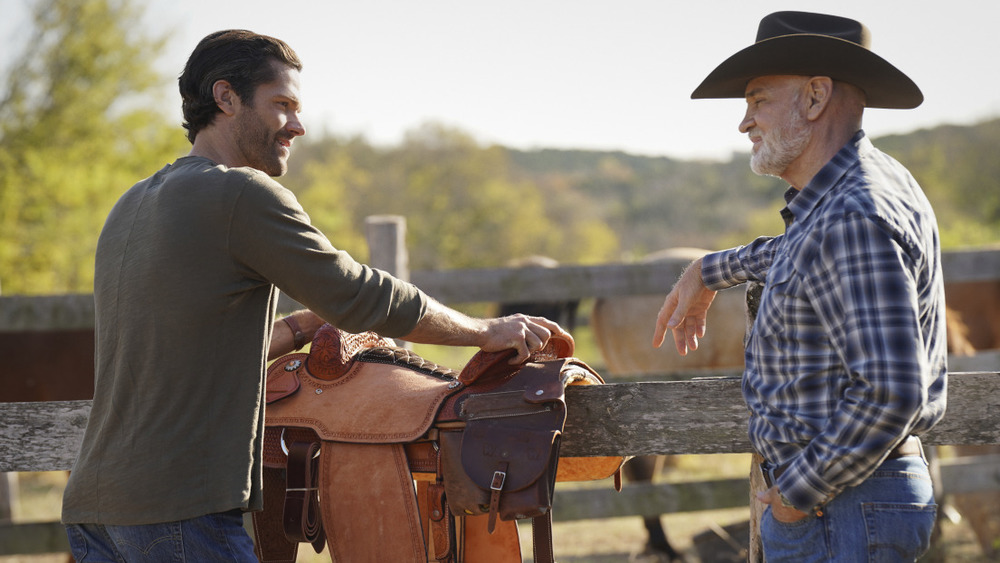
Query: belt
[[909, 446]]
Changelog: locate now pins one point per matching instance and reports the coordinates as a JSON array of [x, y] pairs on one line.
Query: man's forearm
[[447, 327]]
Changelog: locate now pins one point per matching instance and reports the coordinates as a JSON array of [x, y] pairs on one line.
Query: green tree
[[465, 209], [76, 129], [329, 180]]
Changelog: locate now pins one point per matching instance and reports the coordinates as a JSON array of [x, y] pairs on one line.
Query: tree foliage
[[958, 169], [75, 131], [77, 128], [463, 206]]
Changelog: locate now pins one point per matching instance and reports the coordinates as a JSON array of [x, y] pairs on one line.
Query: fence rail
[[705, 416], [493, 285]]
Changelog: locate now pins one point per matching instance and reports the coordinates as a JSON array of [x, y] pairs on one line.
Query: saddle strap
[[302, 518], [442, 524], [541, 538], [270, 543], [496, 487]]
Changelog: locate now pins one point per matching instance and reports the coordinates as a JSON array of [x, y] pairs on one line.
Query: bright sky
[[590, 74]]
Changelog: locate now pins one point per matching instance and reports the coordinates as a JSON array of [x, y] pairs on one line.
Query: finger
[[539, 334], [663, 320], [546, 328], [680, 342], [660, 331], [533, 342], [523, 353], [691, 332]]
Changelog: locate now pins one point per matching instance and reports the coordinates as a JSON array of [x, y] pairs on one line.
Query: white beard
[[780, 147]]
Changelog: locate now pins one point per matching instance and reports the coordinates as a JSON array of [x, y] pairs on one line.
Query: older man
[[846, 360]]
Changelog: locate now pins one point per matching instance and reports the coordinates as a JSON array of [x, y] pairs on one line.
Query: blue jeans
[[213, 537], [889, 517]]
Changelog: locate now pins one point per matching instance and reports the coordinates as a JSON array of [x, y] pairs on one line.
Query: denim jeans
[[209, 538], [887, 518]]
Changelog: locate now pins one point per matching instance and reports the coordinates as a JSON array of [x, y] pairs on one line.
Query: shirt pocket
[[778, 301]]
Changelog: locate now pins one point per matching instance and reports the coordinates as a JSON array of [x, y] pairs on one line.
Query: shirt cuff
[[717, 269]]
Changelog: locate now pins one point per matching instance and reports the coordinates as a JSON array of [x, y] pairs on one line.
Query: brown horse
[[623, 328]]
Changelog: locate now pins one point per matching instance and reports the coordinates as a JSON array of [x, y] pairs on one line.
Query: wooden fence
[[702, 416]]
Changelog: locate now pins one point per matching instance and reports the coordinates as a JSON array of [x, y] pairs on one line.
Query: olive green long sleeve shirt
[[185, 276]]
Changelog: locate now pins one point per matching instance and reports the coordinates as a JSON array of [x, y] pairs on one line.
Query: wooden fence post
[[386, 235], [8, 495], [755, 550]]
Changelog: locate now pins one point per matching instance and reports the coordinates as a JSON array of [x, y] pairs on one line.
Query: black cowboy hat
[[809, 44]]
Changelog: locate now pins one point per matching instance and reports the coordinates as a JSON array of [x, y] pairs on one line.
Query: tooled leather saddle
[[383, 456]]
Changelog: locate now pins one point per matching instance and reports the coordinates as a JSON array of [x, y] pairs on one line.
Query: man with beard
[[846, 360], [186, 272]]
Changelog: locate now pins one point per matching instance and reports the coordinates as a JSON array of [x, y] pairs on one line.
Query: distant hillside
[[657, 202], [473, 206]]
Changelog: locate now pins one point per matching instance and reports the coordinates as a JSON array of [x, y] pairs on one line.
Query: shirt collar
[[800, 203]]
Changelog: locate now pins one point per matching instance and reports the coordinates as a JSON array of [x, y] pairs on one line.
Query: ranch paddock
[[596, 536]]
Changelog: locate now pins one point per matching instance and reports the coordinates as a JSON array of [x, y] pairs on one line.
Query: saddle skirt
[[382, 455]]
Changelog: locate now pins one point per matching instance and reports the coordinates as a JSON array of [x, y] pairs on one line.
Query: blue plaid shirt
[[847, 356]]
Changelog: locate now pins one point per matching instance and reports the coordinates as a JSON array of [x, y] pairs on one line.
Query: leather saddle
[[381, 455]]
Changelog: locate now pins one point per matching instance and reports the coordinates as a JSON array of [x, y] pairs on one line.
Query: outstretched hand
[[684, 311]]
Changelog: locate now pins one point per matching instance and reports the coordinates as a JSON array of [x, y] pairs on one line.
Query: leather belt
[[909, 446]]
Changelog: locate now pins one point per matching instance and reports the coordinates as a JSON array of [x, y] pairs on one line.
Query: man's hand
[[522, 333], [684, 311], [444, 326], [781, 513]]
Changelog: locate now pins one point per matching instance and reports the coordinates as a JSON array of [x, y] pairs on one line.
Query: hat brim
[[885, 86]]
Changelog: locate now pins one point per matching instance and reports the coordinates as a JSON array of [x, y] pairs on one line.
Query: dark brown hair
[[240, 57]]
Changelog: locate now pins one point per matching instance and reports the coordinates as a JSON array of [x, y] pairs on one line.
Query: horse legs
[[643, 469]]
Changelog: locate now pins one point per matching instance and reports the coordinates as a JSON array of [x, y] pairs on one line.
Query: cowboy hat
[[811, 44]]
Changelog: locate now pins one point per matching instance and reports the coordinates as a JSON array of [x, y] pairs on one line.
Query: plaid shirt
[[847, 356]]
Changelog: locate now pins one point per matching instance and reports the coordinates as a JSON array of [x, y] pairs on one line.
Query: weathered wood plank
[[709, 416], [673, 417], [548, 284], [41, 436], [984, 360], [481, 285], [664, 417], [970, 474], [46, 312], [649, 499], [977, 264], [33, 538], [957, 475]]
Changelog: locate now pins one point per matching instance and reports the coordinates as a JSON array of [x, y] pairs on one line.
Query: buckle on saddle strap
[[499, 476]]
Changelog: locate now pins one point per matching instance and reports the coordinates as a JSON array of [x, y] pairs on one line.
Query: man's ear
[[225, 97], [818, 91]]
